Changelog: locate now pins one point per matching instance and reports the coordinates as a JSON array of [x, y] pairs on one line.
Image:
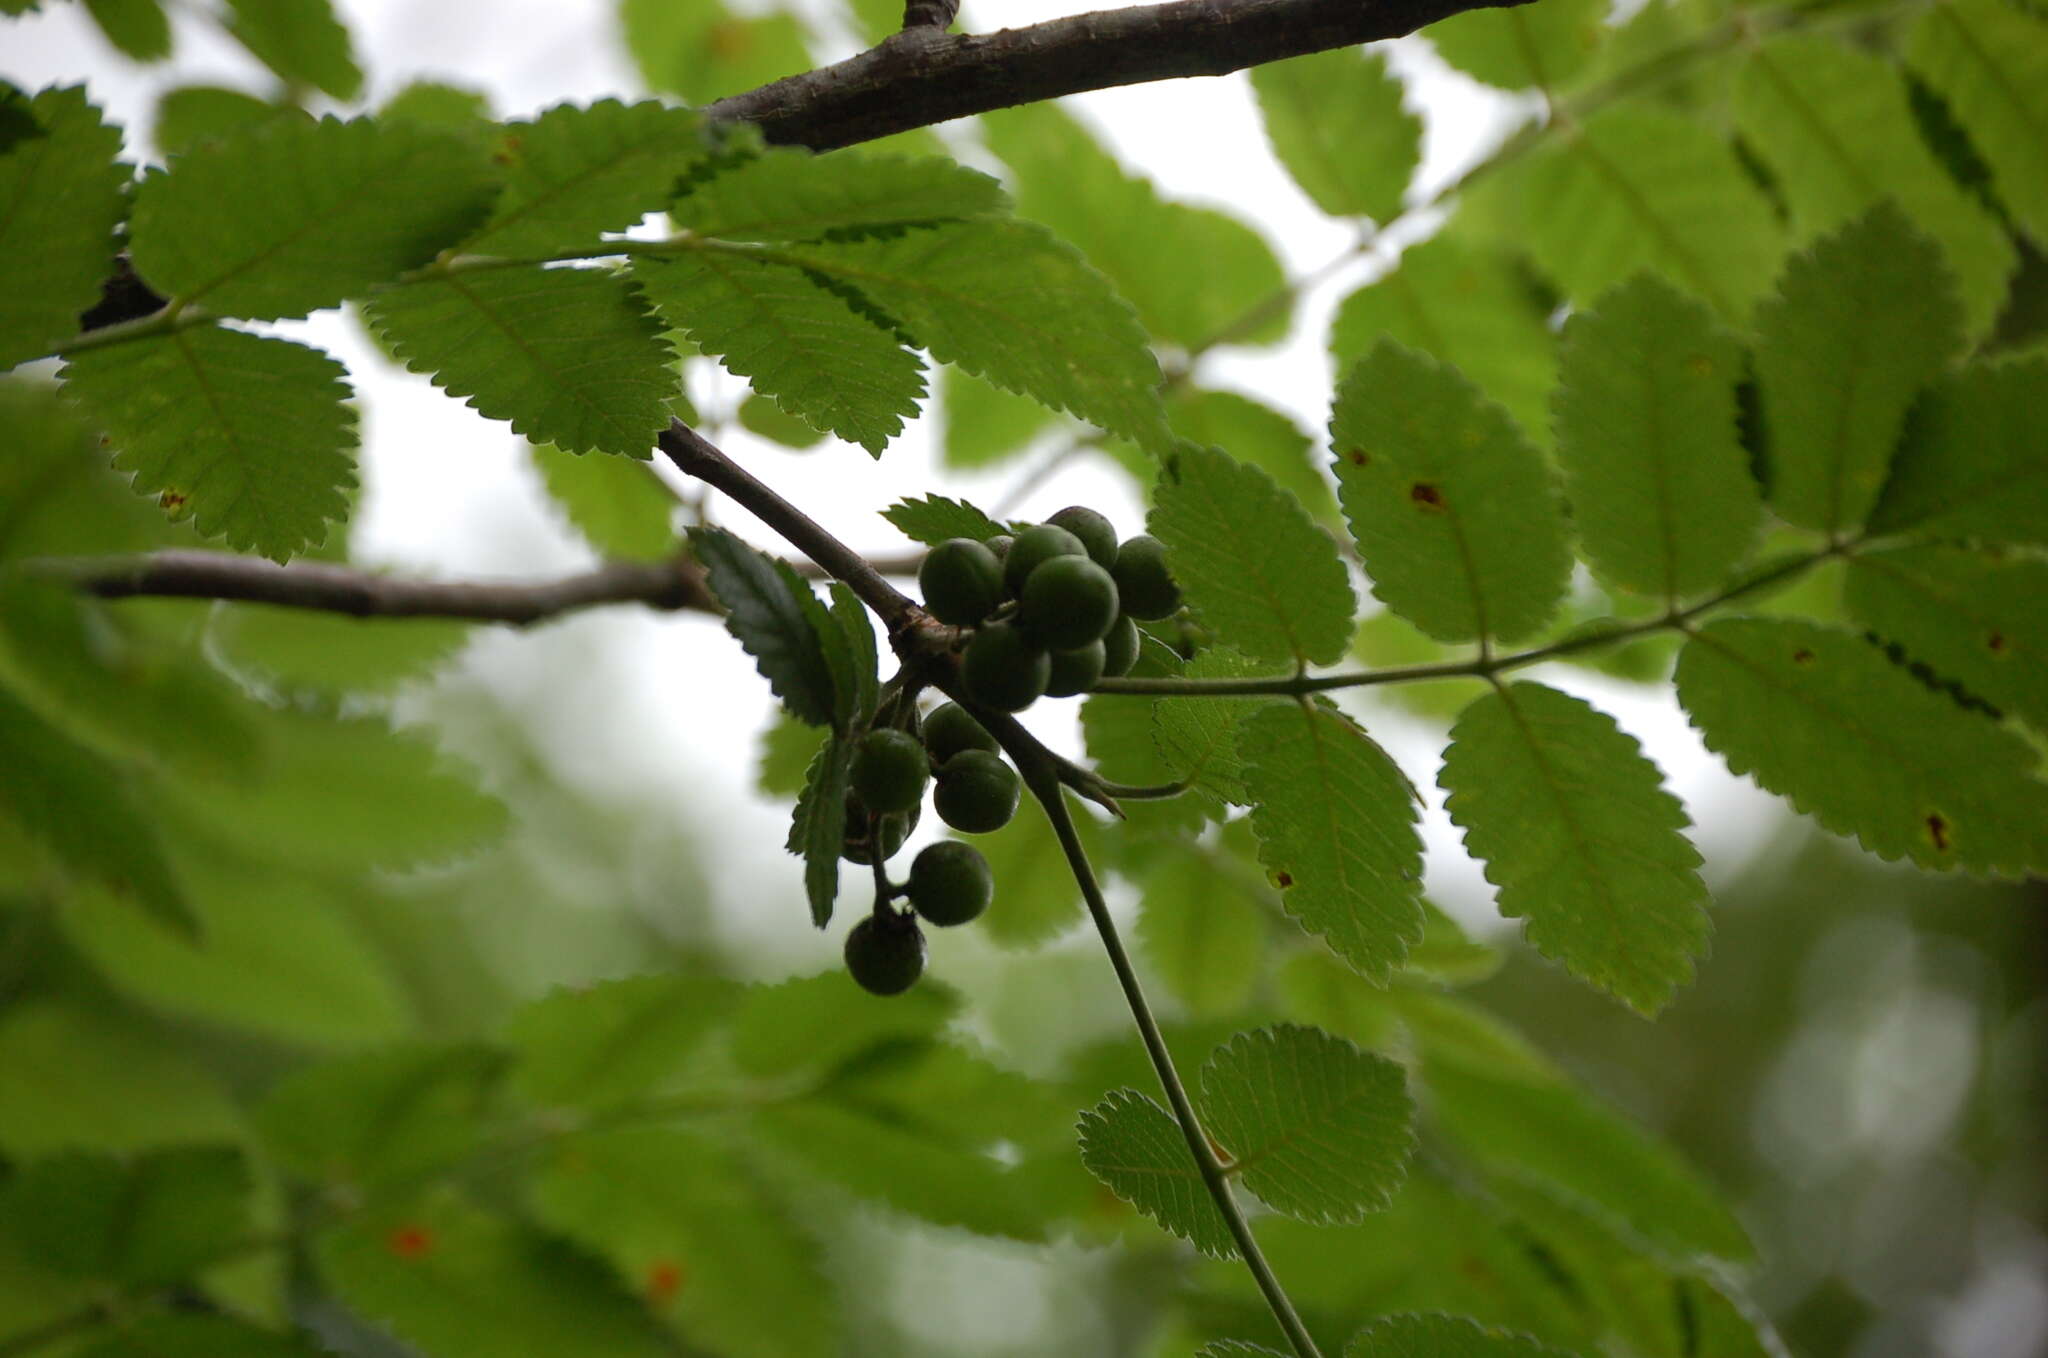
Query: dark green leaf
[[1440, 1336], [1970, 465], [619, 505], [152, 1220], [198, 1336], [615, 1043], [60, 199], [87, 1074], [383, 1116], [573, 173], [774, 614], [856, 680], [301, 40], [788, 194], [1336, 122], [931, 519], [1134, 1146], [817, 826], [199, 113], [137, 28], [1989, 60], [1979, 619]]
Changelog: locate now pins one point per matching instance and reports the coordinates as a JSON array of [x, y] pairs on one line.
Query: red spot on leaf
[[1937, 831], [1426, 495], [664, 1279], [410, 1241]]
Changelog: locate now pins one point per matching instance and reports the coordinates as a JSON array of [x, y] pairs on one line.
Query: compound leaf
[[1989, 60], [1441, 1336], [1249, 559], [1970, 464], [1454, 512], [1198, 736], [152, 1220], [1577, 831], [569, 356], [60, 199], [1659, 484], [787, 194], [619, 506], [1977, 618], [300, 40], [772, 612], [1335, 819], [1134, 1146], [1823, 719], [1335, 121], [931, 519]]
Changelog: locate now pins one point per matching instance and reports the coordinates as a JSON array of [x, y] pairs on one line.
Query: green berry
[[889, 770], [950, 882], [962, 582], [1120, 648], [1068, 602], [1000, 545], [950, 729], [1097, 533], [885, 953], [1034, 547], [1003, 670], [1142, 580], [855, 847], [977, 792], [1075, 671]]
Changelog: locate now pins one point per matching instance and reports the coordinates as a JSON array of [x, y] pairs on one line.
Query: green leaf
[[774, 614], [1008, 302], [687, 1226], [1833, 126], [787, 194], [152, 1220], [1455, 513], [574, 173], [1335, 820], [60, 199], [1979, 619], [383, 1117], [760, 416], [856, 679], [817, 826], [984, 424], [1577, 831], [1970, 464], [286, 216], [247, 436], [931, 519], [138, 29], [1249, 560], [1471, 306], [569, 356], [701, 52], [1441, 1336], [301, 40], [196, 113], [617, 1042], [174, 1335], [85, 1074], [1659, 484], [1841, 352], [1135, 1147], [821, 359], [787, 748], [618, 504], [1036, 897], [439, 104], [1258, 434], [1143, 242], [1202, 930], [1336, 122], [815, 1024], [1821, 718], [1235, 1348], [1989, 60], [1517, 49], [1315, 1127], [1198, 736]]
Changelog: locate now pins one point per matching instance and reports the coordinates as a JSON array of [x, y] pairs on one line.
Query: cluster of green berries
[[1051, 608], [973, 791]]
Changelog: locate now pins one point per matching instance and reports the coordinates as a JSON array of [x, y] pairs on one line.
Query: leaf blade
[[60, 200], [1131, 1144]]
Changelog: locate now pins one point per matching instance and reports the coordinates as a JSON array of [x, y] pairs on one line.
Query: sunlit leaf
[[1540, 46], [1336, 122], [1989, 60], [618, 504], [788, 194], [702, 51]]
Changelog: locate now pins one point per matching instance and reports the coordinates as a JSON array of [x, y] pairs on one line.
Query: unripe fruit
[[854, 845], [1120, 648], [1003, 670], [1000, 545], [1075, 671], [1068, 602], [1097, 533], [962, 582], [885, 953], [1142, 581], [950, 882], [977, 792], [1034, 547], [950, 729], [889, 770]]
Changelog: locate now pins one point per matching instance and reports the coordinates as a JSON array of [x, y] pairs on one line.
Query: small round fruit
[[1075, 671], [889, 770], [1000, 545], [1068, 602], [950, 883], [885, 953], [855, 847], [962, 582], [977, 792], [1003, 670], [1033, 547], [1120, 647], [1096, 532], [950, 729], [1142, 581]]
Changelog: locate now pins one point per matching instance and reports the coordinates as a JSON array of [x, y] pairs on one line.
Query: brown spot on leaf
[[410, 1241], [1996, 641], [1356, 457], [1937, 831], [1802, 656], [1283, 878], [729, 40], [172, 500], [664, 1279], [1426, 495]]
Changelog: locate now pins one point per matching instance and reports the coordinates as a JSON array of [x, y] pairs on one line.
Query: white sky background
[[667, 711]]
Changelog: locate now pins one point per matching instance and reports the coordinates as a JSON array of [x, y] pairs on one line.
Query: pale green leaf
[[1203, 932], [88, 1075], [1036, 897], [1315, 1127], [151, 1220], [1249, 560], [1447, 955], [817, 826], [1335, 819], [436, 103], [307, 650], [1456, 514], [1134, 1146], [1441, 1336], [772, 612], [177, 1335], [1335, 121], [569, 356], [761, 416], [1198, 736], [1822, 718], [820, 359], [931, 519], [616, 1042], [60, 199], [1660, 487], [789, 194], [301, 40], [618, 504], [1253, 432], [1989, 60], [984, 424], [573, 173], [285, 216], [1577, 831], [1841, 352], [1117, 729], [787, 748], [1833, 125], [1977, 618], [1538, 46], [1006, 301], [1970, 464], [384, 1116], [702, 51], [195, 113], [815, 1024], [138, 29]]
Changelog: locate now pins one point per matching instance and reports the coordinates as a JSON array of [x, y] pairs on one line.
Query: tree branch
[[923, 75]]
